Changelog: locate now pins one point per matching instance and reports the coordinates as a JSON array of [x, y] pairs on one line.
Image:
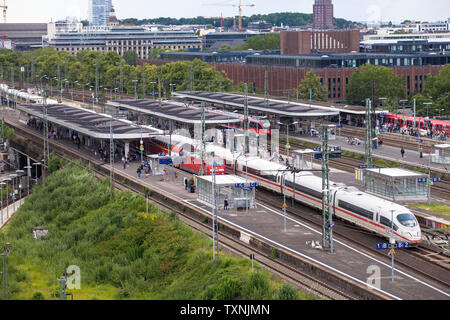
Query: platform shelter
[[239, 191], [441, 154], [397, 184]]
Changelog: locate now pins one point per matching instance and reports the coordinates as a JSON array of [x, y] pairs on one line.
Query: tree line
[[92, 69], [276, 19]]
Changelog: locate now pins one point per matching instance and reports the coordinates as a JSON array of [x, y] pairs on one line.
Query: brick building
[[323, 14], [283, 80], [310, 41]]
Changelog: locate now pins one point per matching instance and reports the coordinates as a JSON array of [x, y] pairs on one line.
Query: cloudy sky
[[355, 10]]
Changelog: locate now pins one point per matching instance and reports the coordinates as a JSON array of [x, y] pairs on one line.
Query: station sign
[[331, 155], [336, 148], [437, 180], [387, 246], [419, 140], [249, 185], [339, 126], [318, 149], [422, 180], [162, 154], [165, 161]]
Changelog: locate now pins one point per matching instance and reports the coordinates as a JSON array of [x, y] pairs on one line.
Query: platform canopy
[[174, 111], [276, 107], [89, 122]]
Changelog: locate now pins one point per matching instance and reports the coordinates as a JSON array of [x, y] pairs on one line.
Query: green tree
[[421, 108], [131, 57], [318, 91], [386, 86], [437, 89]]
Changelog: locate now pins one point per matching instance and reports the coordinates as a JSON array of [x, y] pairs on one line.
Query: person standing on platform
[[164, 175], [402, 151], [124, 161], [138, 172], [225, 204]]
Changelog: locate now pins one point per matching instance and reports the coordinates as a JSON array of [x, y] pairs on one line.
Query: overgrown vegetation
[[122, 252], [438, 208]]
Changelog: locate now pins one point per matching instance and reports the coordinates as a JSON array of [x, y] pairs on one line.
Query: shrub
[[257, 287], [286, 292], [273, 254], [228, 288], [38, 296]]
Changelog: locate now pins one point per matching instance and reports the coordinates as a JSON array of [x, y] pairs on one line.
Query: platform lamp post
[[20, 173], [1, 191], [7, 196], [36, 164], [28, 178], [153, 88], [135, 89], [288, 146], [13, 178], [428, 104], [5, 254]]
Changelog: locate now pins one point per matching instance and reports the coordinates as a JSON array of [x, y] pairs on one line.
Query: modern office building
[[122, 39], [216, 40], [310, 41], [214, 56], [323, 14], [406, 43], [98, 12]]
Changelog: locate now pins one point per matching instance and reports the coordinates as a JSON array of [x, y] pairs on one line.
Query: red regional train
[[437, 126]]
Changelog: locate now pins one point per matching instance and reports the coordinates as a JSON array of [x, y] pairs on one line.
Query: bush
[[286, 292], [273, 254], [38, 296], [257, 287]]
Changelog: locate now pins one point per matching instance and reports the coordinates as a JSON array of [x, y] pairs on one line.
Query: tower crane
[[239, 6], [4, 6]]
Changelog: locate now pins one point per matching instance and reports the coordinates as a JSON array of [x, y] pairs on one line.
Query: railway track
[[304, 281], [439, 190], [411, 260]]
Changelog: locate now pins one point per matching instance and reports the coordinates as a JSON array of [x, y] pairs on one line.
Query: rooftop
[[88, 122], [174, 111], [278, 107]]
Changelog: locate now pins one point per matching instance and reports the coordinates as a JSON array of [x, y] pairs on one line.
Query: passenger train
[[23, 96], [436, 125], [348, 203]]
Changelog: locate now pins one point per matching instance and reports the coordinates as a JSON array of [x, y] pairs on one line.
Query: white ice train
[[24, 96], [348, 203]]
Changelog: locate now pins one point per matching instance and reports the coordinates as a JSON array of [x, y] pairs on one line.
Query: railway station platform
[[385, 152], [267, 224]]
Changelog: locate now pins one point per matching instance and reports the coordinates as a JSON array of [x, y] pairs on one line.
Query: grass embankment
[[122, 252], [437, 208]]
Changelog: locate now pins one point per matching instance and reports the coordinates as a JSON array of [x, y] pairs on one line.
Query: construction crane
[[239, 6], [222, 18], [4, 6]]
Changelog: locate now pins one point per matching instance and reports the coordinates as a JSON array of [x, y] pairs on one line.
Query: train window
[[217, 162], [387, 222], [358, 210], [304, 189], [265, 124], [407, 220]]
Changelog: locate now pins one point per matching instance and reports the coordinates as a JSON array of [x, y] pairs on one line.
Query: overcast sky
[[355, 10]]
